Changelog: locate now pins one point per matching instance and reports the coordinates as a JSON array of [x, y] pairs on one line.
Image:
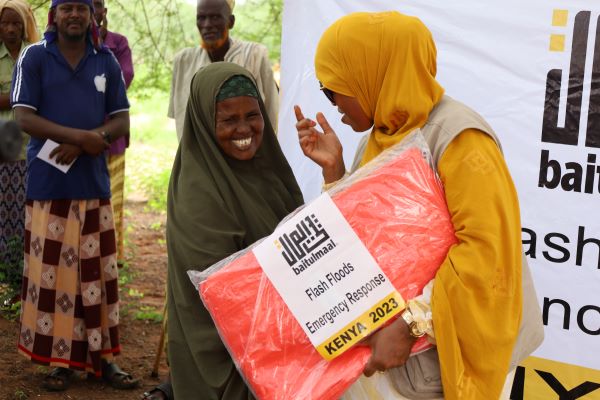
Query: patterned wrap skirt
[[116, 170], [13, 178], [70, 297]]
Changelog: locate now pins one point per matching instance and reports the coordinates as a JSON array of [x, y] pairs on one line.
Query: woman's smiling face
[[239, 127]]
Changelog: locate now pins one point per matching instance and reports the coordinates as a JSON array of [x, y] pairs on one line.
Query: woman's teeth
[[242, 143]]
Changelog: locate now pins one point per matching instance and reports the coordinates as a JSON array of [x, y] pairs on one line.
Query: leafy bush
[[11, 278], [11, 269], [156, 187], [148, 314]]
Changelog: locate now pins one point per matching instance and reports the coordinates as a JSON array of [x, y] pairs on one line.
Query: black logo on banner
[[580, 175], [569, 134], [518, 388], [304, 245]]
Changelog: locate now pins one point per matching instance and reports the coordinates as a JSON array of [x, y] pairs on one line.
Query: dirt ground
[[141, 302]]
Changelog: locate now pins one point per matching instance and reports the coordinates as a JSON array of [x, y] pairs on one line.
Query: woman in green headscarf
[[230, 186]]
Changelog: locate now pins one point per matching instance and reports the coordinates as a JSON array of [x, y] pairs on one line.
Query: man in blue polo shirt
[[63, 89]]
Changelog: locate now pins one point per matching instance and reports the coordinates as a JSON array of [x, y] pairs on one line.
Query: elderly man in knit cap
[[214, 19], [17, 30], [63, 90]]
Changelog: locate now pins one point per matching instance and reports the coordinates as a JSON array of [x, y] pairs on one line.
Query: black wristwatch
[[106, 136]]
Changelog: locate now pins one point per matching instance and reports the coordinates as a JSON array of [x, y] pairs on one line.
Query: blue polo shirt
[[79, 98]]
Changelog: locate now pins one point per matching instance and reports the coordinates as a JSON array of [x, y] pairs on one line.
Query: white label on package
[[327, 277]]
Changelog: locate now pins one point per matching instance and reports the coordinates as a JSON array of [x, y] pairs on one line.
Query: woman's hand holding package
[[324, 148], [390, 347]]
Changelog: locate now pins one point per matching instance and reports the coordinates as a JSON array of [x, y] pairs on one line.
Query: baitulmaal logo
[[304, 245], [575, 175]]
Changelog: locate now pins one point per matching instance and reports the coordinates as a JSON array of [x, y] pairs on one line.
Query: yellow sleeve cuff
[[327, 186]]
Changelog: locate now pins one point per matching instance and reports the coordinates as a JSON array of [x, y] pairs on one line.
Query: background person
[[214, 20], [64, 88], [379, 70], [17, 30], [230, 186], [118, 44]]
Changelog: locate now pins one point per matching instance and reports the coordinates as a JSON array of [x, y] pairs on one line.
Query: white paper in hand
[[44, 155]]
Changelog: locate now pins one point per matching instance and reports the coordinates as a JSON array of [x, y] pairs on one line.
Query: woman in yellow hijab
[[379, 70]]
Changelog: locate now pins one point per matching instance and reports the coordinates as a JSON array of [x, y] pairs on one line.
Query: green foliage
[[135, 293], [157, 189], [156, 226], [40, 9], [126, 275], [10, 310], [150, 81], [156, 30], [151, 175], [148, 314], [149, 123], [20, 395], [260, 21], [154, 144], [11, 269], [125, 308]]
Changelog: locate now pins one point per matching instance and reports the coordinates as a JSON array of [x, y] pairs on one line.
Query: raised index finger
[[324, 123], [298, 112]]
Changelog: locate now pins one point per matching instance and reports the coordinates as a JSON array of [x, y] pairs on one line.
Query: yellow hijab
[[388, 62], [21, 7]]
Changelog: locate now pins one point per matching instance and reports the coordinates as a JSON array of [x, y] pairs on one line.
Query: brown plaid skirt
[[70, 297]]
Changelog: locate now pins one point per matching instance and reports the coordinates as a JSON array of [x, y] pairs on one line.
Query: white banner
[[499, 57]]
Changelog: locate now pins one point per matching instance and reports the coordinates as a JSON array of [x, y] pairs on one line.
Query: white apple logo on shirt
[[100, 82]]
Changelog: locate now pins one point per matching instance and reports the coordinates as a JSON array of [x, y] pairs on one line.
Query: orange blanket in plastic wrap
[[399, 212]]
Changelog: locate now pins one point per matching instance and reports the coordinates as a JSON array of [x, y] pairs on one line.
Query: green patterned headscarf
[[216, 206], [237, 86]]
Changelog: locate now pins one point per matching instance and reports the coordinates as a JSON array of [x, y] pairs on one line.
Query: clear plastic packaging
[[396, 206]]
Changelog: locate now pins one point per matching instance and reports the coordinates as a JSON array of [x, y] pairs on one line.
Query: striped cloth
[[70, 297], [13, 176], [116, 170]]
